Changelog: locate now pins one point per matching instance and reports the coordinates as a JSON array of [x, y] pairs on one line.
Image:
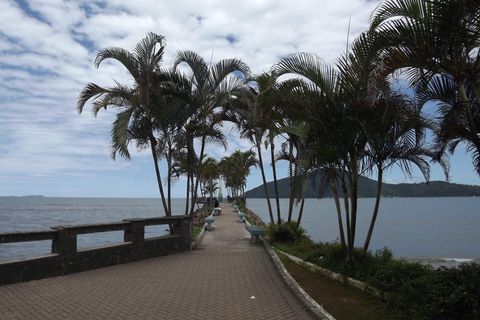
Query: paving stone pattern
[[226, 277]]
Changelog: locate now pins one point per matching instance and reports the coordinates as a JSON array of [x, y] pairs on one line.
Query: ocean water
[[437, 231]]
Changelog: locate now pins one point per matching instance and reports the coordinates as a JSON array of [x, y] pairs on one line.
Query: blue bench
[[255, 232], [215, 211], [241, 216], [235, 208], [209, 220]]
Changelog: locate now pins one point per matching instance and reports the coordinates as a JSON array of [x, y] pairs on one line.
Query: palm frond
[[197, 65], [222, 69], [91, 91], [121, 55], [120, 135]]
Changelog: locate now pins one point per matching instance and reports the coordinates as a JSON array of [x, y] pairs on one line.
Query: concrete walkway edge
[[311, 304]]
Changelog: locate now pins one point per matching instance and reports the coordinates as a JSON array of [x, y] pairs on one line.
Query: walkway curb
[[197, 241], [309, 303]]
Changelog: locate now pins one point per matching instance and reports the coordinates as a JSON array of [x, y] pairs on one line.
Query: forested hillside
[[367, 189]]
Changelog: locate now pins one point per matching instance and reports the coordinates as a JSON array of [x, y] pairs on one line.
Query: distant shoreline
[[27, 196]]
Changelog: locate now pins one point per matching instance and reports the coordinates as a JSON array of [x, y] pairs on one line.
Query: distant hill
[[367, 188]]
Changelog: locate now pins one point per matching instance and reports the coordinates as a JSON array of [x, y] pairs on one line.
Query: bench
[[241, 216], [209, 220], [255, 232], [215, 211], [235, 208]]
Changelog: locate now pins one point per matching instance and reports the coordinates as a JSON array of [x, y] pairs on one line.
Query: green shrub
[[285, 232], [421, 292], [383, 255], [416, 290]]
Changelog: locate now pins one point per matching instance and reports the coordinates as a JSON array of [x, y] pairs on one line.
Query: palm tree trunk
[[189, 172], [354, 201], [476, 90], [375, 210], [187, 200], [304, 194], [199, 172], [262, 170], [292, 179], [339, 213], [347, 221], [159, 178], [169, 179], [275, 184]]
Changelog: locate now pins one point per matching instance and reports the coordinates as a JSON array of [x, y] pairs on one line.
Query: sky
[[48, 48]]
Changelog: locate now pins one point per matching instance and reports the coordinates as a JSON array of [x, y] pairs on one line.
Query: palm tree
[[396, 137], [294, 151], [138, 112], [315, 97], [226, 169], [267, 116], [346, 109], [239, 164], [192, 131], [437, 44], [211, 89], [249, 121], [210, 172], [170, 127]]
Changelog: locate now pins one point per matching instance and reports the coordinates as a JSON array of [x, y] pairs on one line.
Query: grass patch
[[250, 220], [415, 291], [196, 232], [339, 300]]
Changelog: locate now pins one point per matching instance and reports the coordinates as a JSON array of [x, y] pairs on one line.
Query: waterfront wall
[[66, 259]]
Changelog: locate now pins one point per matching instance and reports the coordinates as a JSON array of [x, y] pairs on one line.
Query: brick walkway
[[226, 277]]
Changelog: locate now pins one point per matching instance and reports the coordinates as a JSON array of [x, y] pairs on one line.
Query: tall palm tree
[[226, 169], [239, 164], [316, 97], [250, 122], [396, 136], [212, 88], [186, 161], [267, 115], [437, 44], [138, 112], [170, 128], [294, 151], [210, 173], [346, 111]]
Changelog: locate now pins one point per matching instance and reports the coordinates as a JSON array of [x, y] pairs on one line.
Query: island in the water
[[28, 196], [367, 188]]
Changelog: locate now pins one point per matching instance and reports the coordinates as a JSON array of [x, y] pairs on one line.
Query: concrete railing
[[66, 258]]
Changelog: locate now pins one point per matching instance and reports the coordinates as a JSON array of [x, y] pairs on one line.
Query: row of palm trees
[[332, 124], [166, 110], [233, 169]]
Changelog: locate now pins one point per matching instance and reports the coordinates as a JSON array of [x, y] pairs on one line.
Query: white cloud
[[47, 57]]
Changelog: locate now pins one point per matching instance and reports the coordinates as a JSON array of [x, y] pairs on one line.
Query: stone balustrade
[[66, 258]]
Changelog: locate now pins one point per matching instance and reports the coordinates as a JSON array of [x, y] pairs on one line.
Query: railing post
[[182, 228], [135, 233], [65, 242]]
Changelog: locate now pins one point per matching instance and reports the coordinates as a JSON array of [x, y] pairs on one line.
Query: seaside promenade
[[225, 277]]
